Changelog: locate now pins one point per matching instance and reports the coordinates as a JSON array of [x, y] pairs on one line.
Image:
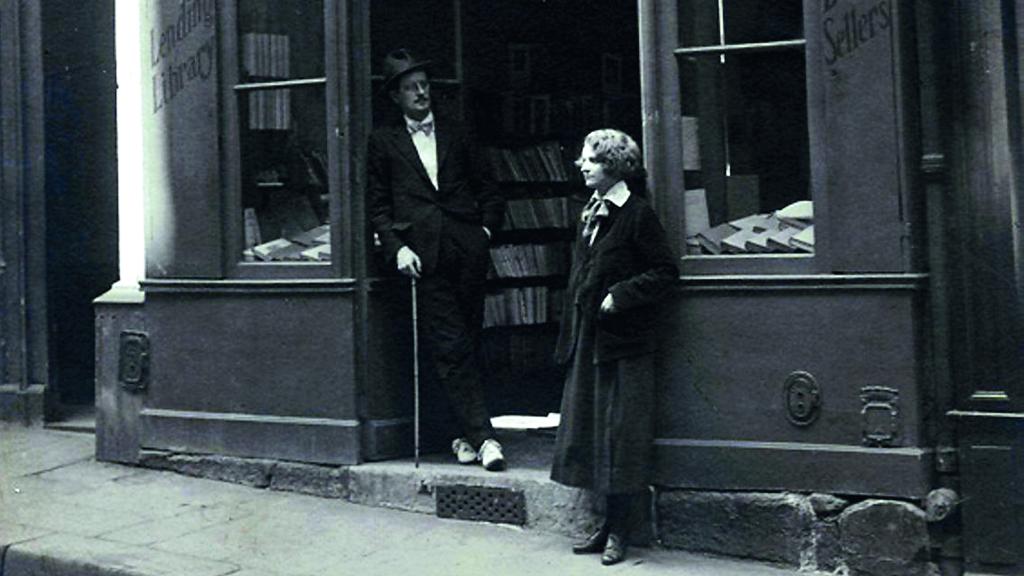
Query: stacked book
[[537, 213], [311, 245], [790, 229], [522, 306], [523, 260], [542, 162], [270, 110], [266, 55]]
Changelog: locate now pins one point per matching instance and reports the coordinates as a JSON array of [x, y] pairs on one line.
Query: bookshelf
[[531, 255]]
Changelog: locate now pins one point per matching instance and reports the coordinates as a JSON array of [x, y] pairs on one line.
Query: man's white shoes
[[463, 451], [490, 455]]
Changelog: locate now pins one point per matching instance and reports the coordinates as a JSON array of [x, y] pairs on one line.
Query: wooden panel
[[991, 509], [992, 462], [988, 327], [181, 139], [388, 401], [863, 135], [247, 372], [274, 354], [729, 346]]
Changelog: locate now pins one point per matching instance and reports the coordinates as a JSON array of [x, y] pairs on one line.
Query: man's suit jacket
[[404, 206]]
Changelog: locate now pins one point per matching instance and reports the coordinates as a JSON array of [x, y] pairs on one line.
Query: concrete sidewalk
[[63, 513]]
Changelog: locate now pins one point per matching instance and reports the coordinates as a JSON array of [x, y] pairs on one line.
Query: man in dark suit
[[433, 210]]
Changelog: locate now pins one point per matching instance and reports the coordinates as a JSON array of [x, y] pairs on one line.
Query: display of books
[[535, 213], [804, 240], [524, 260], [710, 240], [267, 56], [542, 162], [790, 229], [311, 245]]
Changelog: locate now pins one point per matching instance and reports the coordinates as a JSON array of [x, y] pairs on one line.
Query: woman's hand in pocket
[[608, 304]]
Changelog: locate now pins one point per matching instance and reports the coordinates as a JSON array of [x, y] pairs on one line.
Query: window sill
[[752, 264]]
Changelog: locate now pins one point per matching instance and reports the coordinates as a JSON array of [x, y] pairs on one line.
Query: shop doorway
[[530, 79], [81, 191]]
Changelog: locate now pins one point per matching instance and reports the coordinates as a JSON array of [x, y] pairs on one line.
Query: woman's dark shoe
[[593, 544], [614, 550]]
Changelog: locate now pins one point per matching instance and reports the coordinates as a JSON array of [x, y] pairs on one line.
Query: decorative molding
[[249, 418], [802, 397], [234, 286], [133, 361], [880, 416], [917, 282]]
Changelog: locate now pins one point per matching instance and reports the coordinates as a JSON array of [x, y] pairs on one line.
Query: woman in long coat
[[623, 268]]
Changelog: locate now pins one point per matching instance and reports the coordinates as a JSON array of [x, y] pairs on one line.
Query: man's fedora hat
[[399, 63]]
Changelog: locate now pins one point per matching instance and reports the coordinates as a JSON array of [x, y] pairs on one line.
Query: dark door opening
[[81, 188]]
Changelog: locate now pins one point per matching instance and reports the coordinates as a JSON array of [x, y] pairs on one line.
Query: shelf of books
[[531, 254]]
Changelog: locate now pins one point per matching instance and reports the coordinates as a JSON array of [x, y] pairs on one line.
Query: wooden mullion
[[277, 84], [719, 49]]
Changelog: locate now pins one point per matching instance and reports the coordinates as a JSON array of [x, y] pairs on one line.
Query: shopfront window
[[282, 128], [745, 140]]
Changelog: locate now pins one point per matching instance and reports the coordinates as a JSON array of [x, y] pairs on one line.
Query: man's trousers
[[451, 307]]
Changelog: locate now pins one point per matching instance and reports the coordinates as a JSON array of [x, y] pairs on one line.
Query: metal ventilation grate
[[481, 503]]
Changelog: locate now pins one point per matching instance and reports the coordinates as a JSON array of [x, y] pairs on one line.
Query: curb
[[70, 555]]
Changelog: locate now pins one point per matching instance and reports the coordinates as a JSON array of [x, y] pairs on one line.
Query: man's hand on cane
[[408, 262]]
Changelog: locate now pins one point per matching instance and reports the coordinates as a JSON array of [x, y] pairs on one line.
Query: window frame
[[660, 51], [339, 188]]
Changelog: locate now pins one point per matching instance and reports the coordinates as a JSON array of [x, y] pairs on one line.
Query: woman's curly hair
[[617, 152]]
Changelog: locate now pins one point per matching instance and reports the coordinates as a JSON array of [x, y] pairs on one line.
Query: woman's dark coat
[[604, 439]]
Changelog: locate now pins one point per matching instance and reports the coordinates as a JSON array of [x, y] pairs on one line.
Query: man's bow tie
[[426, 127]]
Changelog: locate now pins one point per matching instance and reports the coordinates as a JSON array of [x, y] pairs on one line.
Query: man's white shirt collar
[[414, 125]]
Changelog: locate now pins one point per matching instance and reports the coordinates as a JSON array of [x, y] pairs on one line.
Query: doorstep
[[463, 491]]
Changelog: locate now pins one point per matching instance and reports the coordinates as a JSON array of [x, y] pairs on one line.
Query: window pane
[[748, 21], [284, 176], [745, 148], [716, 22], [698, 23], [280, 40]]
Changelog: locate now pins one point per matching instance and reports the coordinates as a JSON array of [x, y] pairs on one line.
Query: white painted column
[[131, 214]]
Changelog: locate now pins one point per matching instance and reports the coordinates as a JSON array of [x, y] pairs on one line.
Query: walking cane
[[415, 378]]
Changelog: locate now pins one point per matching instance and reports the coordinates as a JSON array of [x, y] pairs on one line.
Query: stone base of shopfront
[[813, 531], [22, 405], [862, 536]]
